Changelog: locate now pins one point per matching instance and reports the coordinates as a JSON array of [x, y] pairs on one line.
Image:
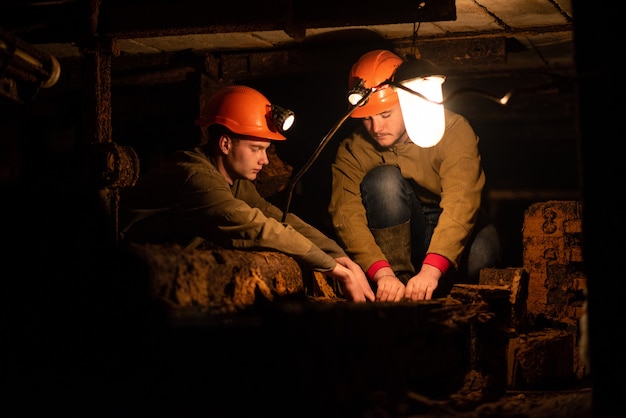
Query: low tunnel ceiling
[[459, 35]]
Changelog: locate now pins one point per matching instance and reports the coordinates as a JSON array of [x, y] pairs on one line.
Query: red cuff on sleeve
[[438, 261], [375, 267]]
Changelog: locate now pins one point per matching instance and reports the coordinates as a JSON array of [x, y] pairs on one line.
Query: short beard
[[388, 147]]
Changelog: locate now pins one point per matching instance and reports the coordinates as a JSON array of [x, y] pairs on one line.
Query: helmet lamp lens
[[282, 118]]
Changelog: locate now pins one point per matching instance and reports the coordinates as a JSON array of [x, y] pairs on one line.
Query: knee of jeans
[[382, 181], [386, 197], [485, 249]]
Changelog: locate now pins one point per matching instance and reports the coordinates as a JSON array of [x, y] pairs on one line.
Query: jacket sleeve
[[462, 181], [346, 207], [318, 238], [236, 219]]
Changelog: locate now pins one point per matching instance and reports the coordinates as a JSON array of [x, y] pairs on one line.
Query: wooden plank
[[189, 282]]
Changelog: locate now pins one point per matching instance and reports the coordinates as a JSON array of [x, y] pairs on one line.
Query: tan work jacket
[[449, 174]]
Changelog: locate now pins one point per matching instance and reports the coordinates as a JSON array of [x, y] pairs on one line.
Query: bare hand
[[389, 287], [422, 285], [353, 279]]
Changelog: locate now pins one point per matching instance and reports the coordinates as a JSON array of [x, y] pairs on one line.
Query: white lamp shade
[[424, 121]]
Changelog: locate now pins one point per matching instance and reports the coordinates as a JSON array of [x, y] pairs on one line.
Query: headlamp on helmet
[[282, 118], [359, 94]]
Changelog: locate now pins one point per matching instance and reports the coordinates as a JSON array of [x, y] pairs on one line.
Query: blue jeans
[[389, 200]]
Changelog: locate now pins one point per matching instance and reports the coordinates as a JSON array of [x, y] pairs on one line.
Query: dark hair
[[215, 131], [212, 133]]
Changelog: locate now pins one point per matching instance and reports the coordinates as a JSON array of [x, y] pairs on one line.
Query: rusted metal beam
[[63, 21], [138, 18]]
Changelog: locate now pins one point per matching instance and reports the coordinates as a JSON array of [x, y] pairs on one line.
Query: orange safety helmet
[[243, 110], [372, 69]]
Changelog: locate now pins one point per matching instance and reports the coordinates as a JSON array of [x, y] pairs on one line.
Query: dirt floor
[[575, 403]]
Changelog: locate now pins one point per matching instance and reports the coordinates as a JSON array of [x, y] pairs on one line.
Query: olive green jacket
[[187, 198], [449, 174]]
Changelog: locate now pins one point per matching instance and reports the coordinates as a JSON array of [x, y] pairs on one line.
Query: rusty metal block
[[505, 291], [553, 259], [541, 360]]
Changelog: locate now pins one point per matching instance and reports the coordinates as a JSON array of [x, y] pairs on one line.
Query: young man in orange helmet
[[208, 193], [408, 214]]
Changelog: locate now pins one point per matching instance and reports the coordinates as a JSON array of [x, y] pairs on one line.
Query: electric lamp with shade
[[420, 91]]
